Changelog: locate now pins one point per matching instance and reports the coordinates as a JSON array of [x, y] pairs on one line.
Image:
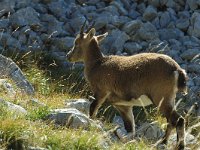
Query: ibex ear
[[101, 37], [91, 33]]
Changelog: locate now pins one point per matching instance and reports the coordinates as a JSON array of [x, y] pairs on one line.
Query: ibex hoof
[[181, 146]]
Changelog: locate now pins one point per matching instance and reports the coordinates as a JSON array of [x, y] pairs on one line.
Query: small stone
[[190, 54], [192, 4], [167, 34], [164, 19], [132, 47], [132, 26], [194, 28], [183, 24], [119, 39], [25, 16], [150, 13], [4, 23], [148, 32]]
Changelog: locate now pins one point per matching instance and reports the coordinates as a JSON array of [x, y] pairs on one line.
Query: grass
[[19, 132]]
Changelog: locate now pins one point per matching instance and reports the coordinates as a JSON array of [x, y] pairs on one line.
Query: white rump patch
[[142, 101]]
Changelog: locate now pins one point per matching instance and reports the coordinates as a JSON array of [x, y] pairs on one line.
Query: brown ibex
[[127, 81]]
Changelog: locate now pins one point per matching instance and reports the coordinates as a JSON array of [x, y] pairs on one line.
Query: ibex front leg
[[129, 122], [96, 104]]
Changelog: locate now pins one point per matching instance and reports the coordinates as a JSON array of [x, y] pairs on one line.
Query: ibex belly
[[143, 101]]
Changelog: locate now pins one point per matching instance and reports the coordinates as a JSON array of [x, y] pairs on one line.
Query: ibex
[[127, 81]]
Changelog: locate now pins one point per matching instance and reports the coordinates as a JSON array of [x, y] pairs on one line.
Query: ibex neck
[[93, 55]]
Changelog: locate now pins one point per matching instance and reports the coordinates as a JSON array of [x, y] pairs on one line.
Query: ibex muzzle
[[127, 81]]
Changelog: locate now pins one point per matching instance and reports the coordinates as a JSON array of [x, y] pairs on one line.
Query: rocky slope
[[165, 26]]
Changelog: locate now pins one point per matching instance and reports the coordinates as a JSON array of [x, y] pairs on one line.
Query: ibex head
[[82, 44]]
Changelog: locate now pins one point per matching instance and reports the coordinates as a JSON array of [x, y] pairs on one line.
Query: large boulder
[[25, 16]]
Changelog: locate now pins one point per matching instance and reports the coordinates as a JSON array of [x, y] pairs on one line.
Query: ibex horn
[[82, 28]]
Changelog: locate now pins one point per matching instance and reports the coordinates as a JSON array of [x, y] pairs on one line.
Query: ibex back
[[127, 81]]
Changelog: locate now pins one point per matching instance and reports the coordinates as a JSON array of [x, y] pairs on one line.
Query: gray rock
[[133, 14], [194, 28], [120, 7], [22, 3], [101, 22], [141, 8], [194, 68], [197, 81], [6, 7], [36, 148], [164, 19], [119, 21], [52, 26], [167, 34], [80, 104], [150, 13], [148, 32], [4, 23], [119, 39], [64, 43], [58, 8], [183, 24], [192, 4], [189, 139], [132, 47], [15, 109], [9, 69], [76, 23], [155, 3], [190, 54], [25, 16], [8, 87], [150, 131], [131, 27], [71, 118]]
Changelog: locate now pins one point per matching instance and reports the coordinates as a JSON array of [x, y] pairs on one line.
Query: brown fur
[[123, 78]]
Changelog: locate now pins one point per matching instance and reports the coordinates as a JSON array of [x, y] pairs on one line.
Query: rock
[[119, 39], [150, 131], [197, 81], [189, 140], [36, 148], [71, 118], [76, 23], [22, 3], [167, 34], [52, 26], [194, 28], [164, 19], [6, 7], [148, 32], [120, 7], [58, 8], [194, 68], [101, 22], [132, 47], [15, 109], [133, 14], [64, 43], [192, 4], [8, 87], [25, 16], [4, 23], [9, 69], [80, 104], [183, 24], [190, 54], [150, 13], [131, 27]]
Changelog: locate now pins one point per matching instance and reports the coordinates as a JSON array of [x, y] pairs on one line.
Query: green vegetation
[[19, 132]]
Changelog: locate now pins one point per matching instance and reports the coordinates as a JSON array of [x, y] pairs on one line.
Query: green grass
[[19, 132]]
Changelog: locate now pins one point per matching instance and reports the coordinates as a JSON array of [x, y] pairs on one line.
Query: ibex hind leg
[[174, 120], [128, 118]]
